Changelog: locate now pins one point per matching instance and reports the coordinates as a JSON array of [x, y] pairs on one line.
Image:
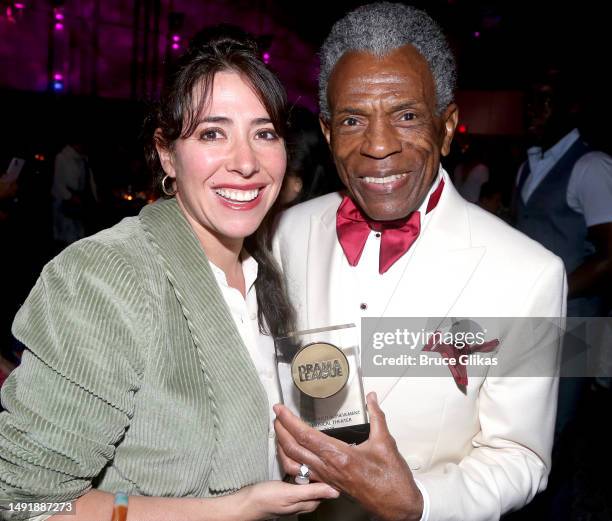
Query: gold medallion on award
[[320, 380]]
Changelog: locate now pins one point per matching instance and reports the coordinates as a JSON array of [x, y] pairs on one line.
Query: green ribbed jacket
[[136, 377]]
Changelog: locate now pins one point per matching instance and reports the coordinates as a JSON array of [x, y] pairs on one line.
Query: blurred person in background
[[563, 196], [472, 171], [563, 200], [74, 192], [8, 190], [10, 260], [491, 199]]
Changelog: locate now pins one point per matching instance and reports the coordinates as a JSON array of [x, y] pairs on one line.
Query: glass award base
[[320, 380], [352, 434]]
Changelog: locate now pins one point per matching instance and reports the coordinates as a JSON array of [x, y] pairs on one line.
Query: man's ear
[[165, 154], [325, 128], [450, 118]]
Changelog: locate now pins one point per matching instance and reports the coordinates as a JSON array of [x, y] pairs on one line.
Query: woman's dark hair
[[187, 88], [184, 97]]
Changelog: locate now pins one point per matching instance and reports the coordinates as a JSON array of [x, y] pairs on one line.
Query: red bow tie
[[353, 229]]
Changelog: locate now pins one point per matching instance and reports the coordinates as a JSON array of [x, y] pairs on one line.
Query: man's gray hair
[[380, 28]]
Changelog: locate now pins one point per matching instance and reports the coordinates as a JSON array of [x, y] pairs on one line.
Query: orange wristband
[[121, 507]]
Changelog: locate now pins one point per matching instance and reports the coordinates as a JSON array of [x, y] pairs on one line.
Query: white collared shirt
[[259, 346], [361, 291], [364, 291], [589, 190]]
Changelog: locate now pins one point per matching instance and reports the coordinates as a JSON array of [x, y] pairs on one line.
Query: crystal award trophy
[[320, 380]]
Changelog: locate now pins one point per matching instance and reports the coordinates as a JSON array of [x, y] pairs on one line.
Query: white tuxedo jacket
[[480, 453]]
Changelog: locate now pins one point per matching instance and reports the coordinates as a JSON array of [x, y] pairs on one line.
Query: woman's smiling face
[[229, 171]]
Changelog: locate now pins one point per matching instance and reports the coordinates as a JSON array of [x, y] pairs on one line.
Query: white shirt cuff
[[423, 490]]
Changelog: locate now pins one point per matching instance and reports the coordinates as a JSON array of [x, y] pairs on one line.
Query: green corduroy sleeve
[[86, 325]]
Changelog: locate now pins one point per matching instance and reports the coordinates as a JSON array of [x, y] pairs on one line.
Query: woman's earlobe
[[164, 154], [165, 158]]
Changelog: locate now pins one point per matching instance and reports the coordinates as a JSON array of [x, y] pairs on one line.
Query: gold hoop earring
[[168, 192]]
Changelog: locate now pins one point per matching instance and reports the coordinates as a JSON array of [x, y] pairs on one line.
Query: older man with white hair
[[401, 242]]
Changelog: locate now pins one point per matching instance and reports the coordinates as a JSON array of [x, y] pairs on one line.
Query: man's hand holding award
[[373, 471]]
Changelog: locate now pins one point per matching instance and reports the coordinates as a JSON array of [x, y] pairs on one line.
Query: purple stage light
[[476, 34], [176, 38], [19, 5], [59, 26], [266, 57], [58, 76], [175, 46]]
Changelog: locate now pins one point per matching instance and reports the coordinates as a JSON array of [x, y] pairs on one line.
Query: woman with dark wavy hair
[[150, 359]]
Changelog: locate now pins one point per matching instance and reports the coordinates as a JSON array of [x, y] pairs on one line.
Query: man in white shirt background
[[73, 192], [472, 171], [564, 192], [563, 200]]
